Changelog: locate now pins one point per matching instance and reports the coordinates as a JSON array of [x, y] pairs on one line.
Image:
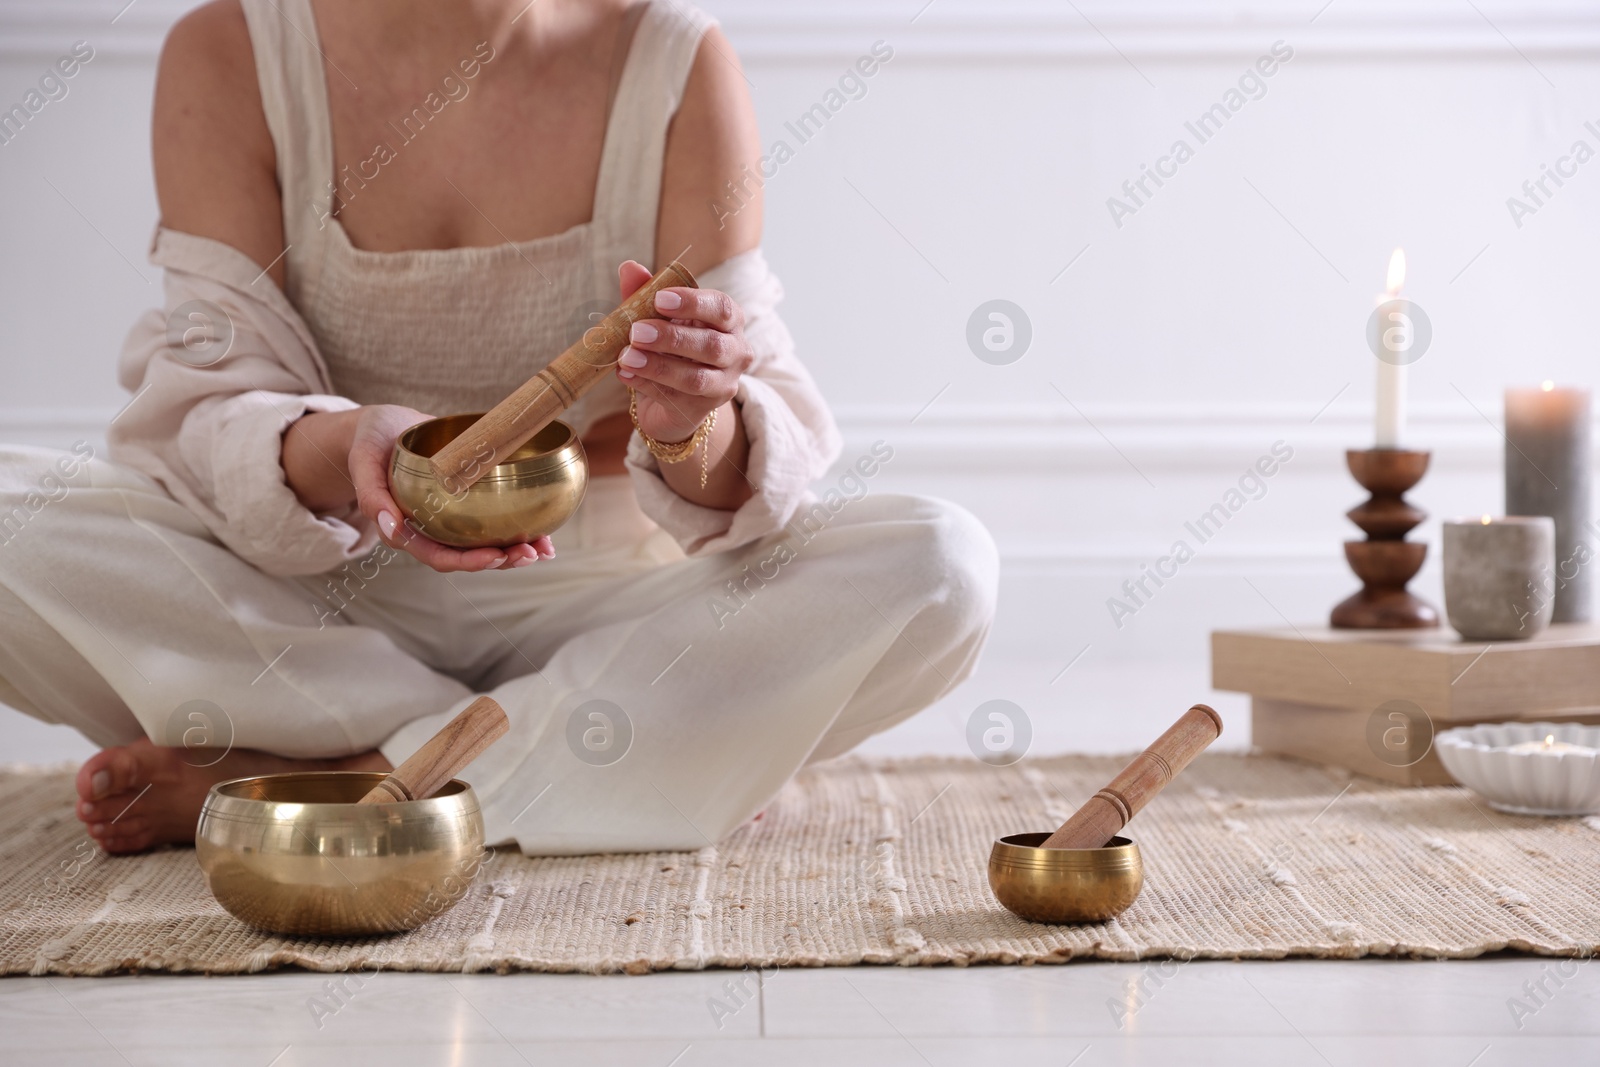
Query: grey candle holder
[[1499, 580]]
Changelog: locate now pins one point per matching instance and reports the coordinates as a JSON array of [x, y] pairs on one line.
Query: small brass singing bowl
[[1064, 885], [527, 496], [295, 854]]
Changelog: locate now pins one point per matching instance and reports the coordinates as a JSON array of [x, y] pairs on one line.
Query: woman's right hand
[[378, 427]]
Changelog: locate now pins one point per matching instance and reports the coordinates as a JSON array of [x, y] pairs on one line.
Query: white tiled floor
[[1363, 1013]]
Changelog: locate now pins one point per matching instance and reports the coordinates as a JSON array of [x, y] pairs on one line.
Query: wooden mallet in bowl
[[1085, 871], [537, 402], [444, 755], [1104, 815]]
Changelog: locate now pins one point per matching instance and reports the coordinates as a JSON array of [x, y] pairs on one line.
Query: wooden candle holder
[[1385, 561]]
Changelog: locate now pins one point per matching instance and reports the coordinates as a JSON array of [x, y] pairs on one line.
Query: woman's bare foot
[[143, 795]]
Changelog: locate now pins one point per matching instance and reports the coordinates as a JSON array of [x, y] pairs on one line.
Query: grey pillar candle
[[1547, 473]]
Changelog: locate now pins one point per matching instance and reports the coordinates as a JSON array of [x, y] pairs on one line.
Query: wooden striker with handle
[[535, 404], [1108, 811], [459, 742]]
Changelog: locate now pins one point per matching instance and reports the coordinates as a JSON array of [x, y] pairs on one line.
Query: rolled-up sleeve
[[233, 446], [792, 435], [210, 408]]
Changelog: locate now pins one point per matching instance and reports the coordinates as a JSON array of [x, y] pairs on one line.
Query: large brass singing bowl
[[294, 853], [531, 494], [1064, 885]]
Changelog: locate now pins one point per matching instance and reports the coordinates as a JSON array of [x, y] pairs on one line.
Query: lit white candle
[[1550, 744], [1390, 420]]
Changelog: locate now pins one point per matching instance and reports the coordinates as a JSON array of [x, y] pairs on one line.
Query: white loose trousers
[[656, 701]]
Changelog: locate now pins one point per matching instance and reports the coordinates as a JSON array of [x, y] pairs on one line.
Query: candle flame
[[1486, 520], [1549, 739], [1547, 386], [1397, 271]]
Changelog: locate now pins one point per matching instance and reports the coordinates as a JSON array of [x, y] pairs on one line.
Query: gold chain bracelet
[[677, 451]]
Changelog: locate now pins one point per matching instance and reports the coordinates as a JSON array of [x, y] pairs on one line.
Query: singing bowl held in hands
[[527, 496], [295, 854]]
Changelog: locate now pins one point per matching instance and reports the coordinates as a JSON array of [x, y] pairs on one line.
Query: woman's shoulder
[[713, 159], [213, 36], [207, 60], [215, 164]]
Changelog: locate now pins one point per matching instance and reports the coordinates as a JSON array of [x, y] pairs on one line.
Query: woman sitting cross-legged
[[377, 211]]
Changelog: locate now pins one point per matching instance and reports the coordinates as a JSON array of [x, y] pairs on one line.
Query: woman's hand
[[686, 364], [378, 427]]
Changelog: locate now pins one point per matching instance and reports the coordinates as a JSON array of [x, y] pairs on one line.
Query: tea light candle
[[1547, 473], [1550, 744], [1497, 576]]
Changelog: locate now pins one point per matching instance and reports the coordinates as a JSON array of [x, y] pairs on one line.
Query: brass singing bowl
[[1064, 885], [295, 854], [532, 493]]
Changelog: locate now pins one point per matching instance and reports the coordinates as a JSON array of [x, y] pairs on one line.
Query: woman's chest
[[461, 153]]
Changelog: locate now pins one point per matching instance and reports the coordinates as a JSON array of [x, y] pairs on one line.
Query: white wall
[[1224, 316]]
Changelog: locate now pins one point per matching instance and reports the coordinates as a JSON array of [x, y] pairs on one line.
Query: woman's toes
[[90, 813], [94, 777], [108, 772], [131, 834], [109, 810]]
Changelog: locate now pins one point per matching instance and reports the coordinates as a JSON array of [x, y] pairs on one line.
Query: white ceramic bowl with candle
[[1527, 768]]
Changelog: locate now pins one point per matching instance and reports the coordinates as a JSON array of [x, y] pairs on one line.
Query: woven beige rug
[[856, 862]]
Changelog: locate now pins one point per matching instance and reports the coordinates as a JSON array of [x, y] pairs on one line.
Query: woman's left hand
[[685, 364]]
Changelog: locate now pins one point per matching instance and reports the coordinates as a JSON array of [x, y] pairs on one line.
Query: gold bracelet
[[677, 451]]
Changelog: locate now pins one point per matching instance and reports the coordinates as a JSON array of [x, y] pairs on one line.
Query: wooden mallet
[[1104, 815], [459, 742], [537, 402]]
